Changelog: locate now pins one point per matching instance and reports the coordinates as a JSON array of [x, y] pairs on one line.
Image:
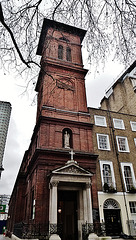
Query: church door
[[67, 215]]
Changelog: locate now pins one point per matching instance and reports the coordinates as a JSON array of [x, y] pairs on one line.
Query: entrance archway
[[112, 217]]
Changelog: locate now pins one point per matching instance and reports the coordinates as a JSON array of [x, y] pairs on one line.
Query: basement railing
[[41, 231]]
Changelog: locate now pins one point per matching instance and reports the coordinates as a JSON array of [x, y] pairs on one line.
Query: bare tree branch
[[12, 37], [55, 9], [110, 25]]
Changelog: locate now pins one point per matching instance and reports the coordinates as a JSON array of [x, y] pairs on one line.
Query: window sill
[[123, 151], [132, 191], [104, 149], [109, 189]]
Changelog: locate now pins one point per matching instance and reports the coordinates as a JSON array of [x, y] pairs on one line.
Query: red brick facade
[[61, 105]]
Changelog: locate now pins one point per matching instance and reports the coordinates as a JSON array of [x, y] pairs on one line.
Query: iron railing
[[43, 231], [97, 228], [24, 230]]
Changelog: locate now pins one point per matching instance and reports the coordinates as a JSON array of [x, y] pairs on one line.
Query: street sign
[[2, 208]]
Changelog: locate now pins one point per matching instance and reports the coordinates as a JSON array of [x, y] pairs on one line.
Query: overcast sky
[[23, 116]]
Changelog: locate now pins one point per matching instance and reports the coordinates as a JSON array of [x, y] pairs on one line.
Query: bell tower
[[61, 80], [65, 132], [61, 89]]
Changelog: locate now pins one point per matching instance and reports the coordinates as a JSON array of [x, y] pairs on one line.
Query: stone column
[[87, 227], [50, 201], [89, 203], [53, 208], [85, 206], [90, 227]]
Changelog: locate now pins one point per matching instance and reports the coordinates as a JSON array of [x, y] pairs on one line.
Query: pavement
[[2, 237]]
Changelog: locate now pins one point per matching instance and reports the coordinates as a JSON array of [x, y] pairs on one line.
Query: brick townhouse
[[114, 138]]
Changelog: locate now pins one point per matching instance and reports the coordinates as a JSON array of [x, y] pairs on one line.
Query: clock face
[[65, 83]]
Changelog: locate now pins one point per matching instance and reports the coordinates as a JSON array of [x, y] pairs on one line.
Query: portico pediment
[[72, 168]]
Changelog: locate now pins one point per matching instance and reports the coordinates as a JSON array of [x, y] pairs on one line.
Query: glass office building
[[5, 112]]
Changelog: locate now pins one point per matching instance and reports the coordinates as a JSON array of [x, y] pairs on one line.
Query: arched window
[[67, 138], [68, 54], [111, 204], [60, 52]]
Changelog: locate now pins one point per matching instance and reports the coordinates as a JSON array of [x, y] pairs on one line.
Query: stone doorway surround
[[71, 177]]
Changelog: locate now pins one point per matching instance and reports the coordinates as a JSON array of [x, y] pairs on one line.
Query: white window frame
[[135, 141], [126, 144], [132, 208], [132, 172], [102, 162], [132, 74], [108, 143], [99, 124], [133, 81], [121, 123], [132, 123], [33, 210]]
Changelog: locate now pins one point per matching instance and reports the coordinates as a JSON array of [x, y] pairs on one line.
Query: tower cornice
[[47, 23]]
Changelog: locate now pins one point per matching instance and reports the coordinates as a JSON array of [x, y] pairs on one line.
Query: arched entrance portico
[[112, 217], [70, 201]]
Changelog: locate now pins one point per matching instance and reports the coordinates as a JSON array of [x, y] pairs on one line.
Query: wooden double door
[[112, 222], [67, 214]]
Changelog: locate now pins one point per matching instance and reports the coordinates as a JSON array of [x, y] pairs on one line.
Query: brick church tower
[[55, 191]]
